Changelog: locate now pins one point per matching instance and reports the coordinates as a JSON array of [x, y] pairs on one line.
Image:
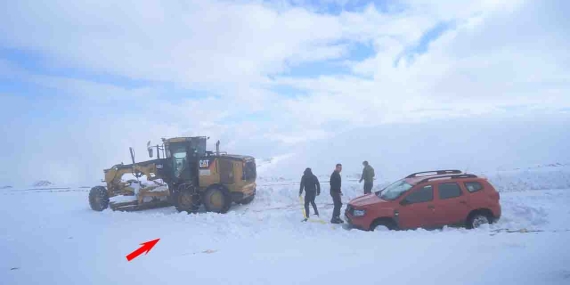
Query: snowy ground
[[53, 237]]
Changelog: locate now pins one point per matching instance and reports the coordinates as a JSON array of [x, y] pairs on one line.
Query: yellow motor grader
[[185, 176]]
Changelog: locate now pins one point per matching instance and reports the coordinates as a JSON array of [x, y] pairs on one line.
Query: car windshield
[[395, 190]]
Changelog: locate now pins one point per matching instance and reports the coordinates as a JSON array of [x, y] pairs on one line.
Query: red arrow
[[146, 246]]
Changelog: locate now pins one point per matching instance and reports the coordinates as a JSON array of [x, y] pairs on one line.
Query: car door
[[452, 204], [417, 209]]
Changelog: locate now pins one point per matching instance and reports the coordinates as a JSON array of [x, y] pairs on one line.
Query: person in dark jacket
[[336, 192], [312, 187], [368, 177]]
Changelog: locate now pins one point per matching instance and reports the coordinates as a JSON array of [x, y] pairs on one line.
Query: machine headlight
[[359, 213]]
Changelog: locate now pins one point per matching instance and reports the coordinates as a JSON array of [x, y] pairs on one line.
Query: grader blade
[[134, 206]]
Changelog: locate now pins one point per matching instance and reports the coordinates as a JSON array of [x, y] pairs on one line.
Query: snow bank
[[42, 183], [122, 199], [536, 178], [268, 169], [541, 177]]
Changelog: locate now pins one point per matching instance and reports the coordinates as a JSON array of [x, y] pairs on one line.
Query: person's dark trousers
[[337, 204], [310, 198], [368, 187]]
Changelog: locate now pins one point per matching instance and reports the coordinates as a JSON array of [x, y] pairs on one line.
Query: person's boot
[[337, 220]]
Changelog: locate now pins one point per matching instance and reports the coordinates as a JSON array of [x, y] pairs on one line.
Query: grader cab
[[184, 175]]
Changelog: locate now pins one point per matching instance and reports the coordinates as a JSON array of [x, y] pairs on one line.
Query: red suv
[[427, 200]]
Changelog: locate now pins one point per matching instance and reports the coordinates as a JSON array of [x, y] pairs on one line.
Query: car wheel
[[382, 226], [478, 220]]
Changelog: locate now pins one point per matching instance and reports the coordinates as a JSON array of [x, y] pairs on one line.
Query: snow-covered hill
[[533, 177], [539, 177], [395, 150]]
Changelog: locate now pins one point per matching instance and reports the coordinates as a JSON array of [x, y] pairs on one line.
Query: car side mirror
[[405, 202]]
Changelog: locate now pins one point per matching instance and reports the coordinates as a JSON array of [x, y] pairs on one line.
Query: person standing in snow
[[312, 187], [336, 192], [368, 177]]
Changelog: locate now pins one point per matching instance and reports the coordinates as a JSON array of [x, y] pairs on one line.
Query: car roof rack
[[452, 176], [439, 172]]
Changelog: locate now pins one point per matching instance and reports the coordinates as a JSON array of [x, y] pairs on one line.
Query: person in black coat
[[336, 192], [312, 187]]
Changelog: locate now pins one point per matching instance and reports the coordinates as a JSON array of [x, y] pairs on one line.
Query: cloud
[[192, 42], [477, 67], [125, 72]]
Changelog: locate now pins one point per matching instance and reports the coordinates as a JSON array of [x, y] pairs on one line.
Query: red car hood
[[366, 200]]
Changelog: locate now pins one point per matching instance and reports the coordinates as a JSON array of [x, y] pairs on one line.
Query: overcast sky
[[81, 81]]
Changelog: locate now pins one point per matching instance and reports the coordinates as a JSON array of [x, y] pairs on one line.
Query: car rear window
[[449, 190], [473, 186]]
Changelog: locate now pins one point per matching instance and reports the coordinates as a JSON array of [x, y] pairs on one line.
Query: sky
[[81, 81]]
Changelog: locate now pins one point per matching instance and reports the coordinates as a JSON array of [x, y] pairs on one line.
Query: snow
[[136, 187], [555, 176], [160, 188], [42, 183], [53, 237], [122, 199], [395, 150], [270, 165]]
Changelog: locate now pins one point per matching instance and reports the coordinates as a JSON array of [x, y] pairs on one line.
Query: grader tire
[[98, 198], [217, 199], [187, 199]]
